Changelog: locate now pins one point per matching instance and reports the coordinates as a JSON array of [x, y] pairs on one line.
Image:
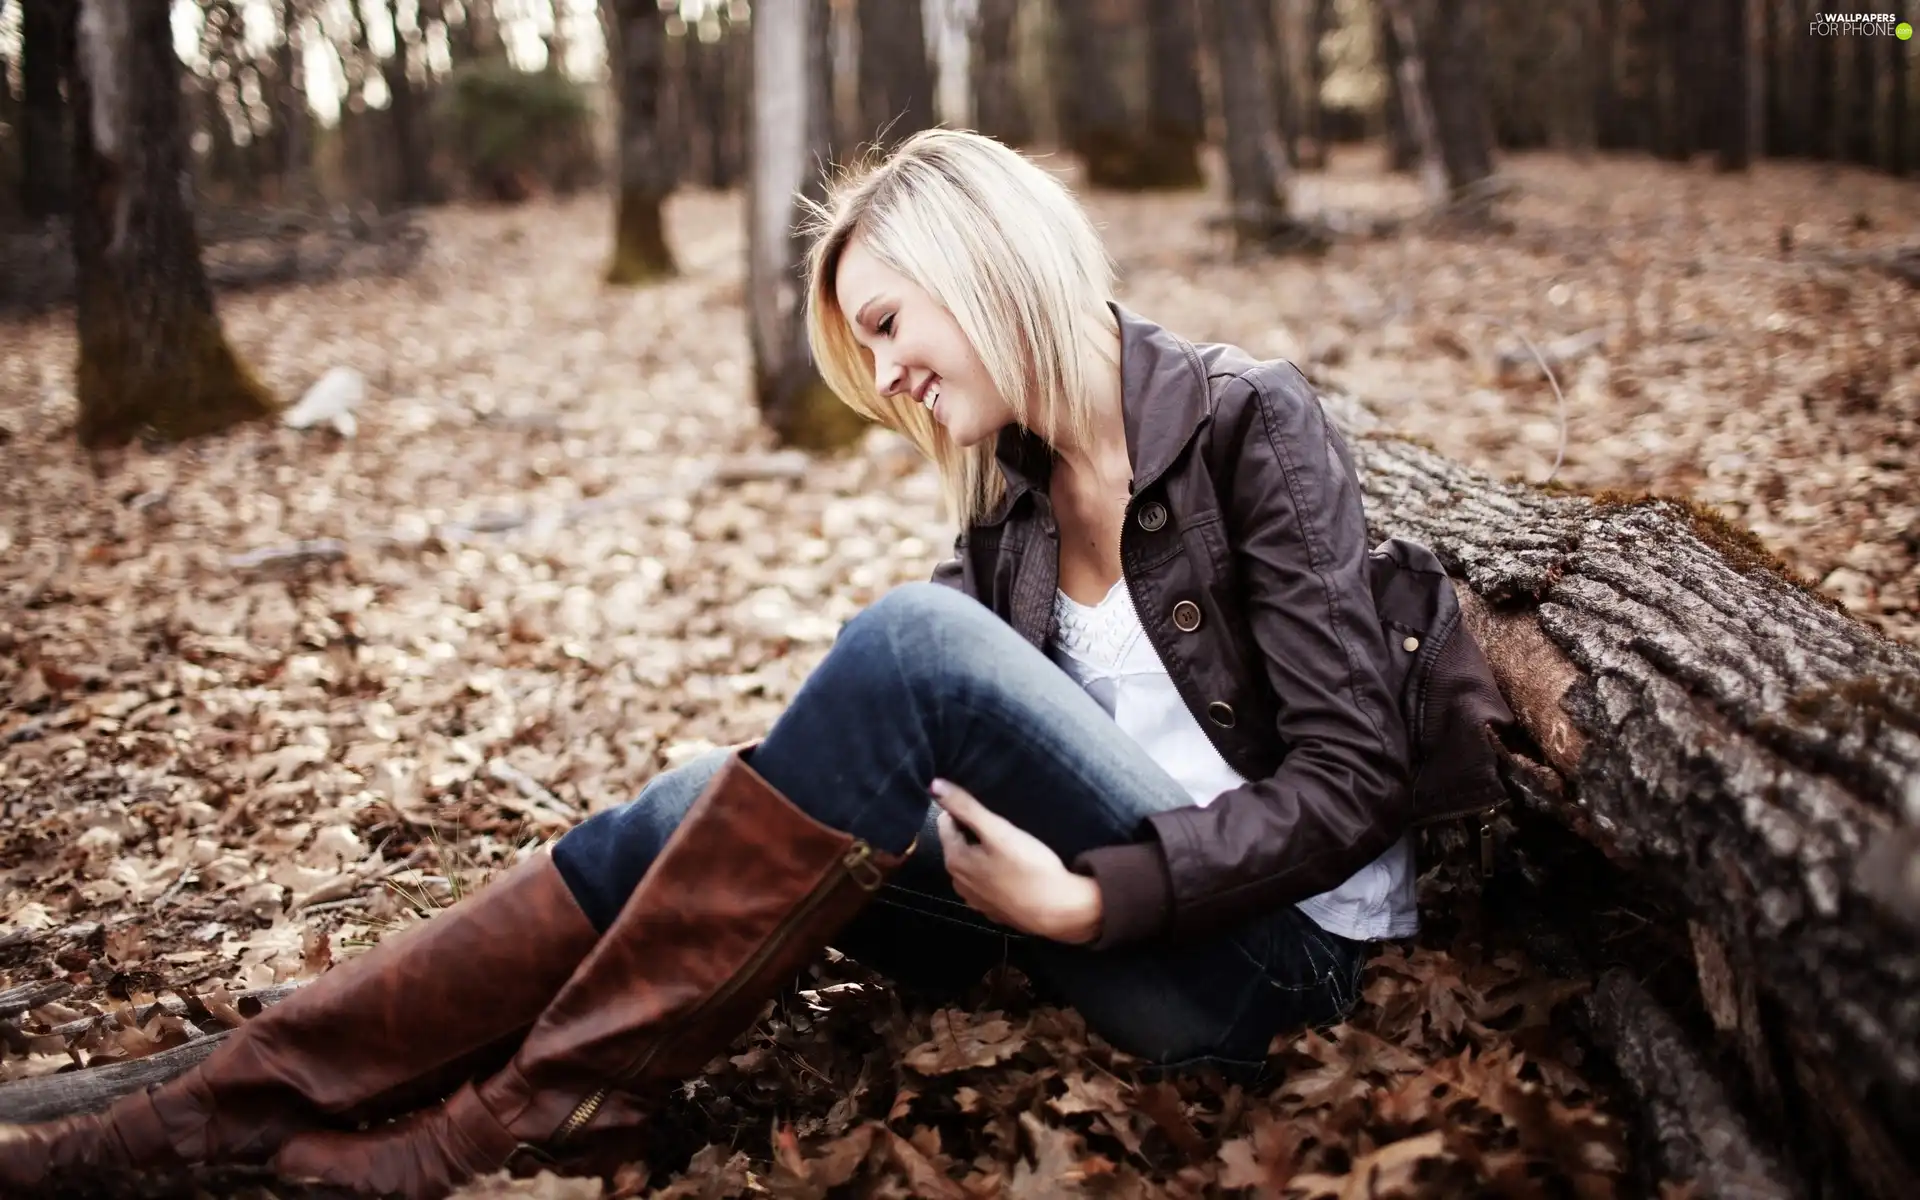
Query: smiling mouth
[[930, 392]]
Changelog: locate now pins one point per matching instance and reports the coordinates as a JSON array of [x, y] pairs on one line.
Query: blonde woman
[[1142, 736]]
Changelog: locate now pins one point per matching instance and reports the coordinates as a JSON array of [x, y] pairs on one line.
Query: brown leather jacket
[[1245, 550]]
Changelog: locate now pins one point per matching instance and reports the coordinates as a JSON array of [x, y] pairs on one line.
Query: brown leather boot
[[745, 892], [419, 1012]]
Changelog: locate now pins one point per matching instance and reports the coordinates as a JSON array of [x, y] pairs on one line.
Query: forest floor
[[231, 753]]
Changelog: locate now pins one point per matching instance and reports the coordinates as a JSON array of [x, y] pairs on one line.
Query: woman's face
[[917, 347]]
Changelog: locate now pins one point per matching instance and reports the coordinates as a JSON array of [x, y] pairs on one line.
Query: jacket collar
[[1163, 400]]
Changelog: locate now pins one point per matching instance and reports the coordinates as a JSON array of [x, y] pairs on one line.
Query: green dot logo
[[1903, 31]]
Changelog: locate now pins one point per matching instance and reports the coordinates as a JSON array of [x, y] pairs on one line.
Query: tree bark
[[403, 111], [1177, 118], [1734, 94], [1416, 95], [1731, 740], [999, 109], [895, 76], [1314, 108], [1090, 49], [1456, 64], [1256, 163], [46, 29], [1403, 151], [791, 129], [648, 153], [290, 104], [153, 358]]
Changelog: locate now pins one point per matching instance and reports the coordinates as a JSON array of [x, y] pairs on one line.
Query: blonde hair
[[1005, 248]]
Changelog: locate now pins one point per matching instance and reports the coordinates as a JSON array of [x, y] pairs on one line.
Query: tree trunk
[[290, 104], [1314, 110], [1416, 95], [1861, 99], [1256, 164], [153, 358], [1403, 151], [1456, 64], [46, 27], [416, 186], [648, 166], [1272, 22], [709, 109], [1611, 124], [791, 128], [999, 110], [895, 76], [1095, 122], [1177, 117], [1823, 108], [1736, 745], [1733, 94]]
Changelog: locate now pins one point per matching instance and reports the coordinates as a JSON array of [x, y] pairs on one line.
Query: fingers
[[958, 801], [953, 843]]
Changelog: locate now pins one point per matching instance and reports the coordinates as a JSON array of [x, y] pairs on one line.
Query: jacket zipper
[[856, 863]]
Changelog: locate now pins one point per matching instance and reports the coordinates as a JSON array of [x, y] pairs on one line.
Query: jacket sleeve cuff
[[1136, 891]]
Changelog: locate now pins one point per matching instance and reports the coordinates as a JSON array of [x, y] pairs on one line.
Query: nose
[[889, 376]]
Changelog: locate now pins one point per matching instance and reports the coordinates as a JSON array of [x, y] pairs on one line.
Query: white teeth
[[932, 397]]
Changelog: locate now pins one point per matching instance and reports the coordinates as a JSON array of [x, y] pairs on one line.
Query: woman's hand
[[1010, 875]]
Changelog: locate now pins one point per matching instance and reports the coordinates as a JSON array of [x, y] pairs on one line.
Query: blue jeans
[[927, 682]]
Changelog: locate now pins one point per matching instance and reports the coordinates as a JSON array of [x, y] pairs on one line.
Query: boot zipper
[[857, 863]]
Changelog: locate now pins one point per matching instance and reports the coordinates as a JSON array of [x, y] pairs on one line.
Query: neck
[[1102, 457]]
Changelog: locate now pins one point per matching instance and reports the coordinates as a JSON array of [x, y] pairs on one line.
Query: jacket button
[[1411, 644], [1153, 516], [1221, 714], [1186, 616]]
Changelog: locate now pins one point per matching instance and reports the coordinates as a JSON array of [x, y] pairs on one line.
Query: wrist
[[1082, 918]]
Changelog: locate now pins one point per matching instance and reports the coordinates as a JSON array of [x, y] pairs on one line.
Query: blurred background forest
[[393, 102], [524, 489]]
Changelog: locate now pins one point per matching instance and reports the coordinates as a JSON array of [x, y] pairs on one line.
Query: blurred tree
[[476, 33], [716, 54], [895, 75], [1270, 20], [291, 115], [1416, 97], [1456, 77], [1313, 109], [153, 358], [1088, 52], [791, 129], [507, 130], [403, 109], [999, 110], [649, 167], [45, 26], [1735, 95], [1257, 175], [1176, 117], [1402, 150], [1102, 51]]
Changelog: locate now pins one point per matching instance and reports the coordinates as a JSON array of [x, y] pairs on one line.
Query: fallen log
[[1727, 736], [93, 1088], [1699, 1137]]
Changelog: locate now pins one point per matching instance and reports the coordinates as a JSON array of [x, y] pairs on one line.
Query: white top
[[1104, 650]]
